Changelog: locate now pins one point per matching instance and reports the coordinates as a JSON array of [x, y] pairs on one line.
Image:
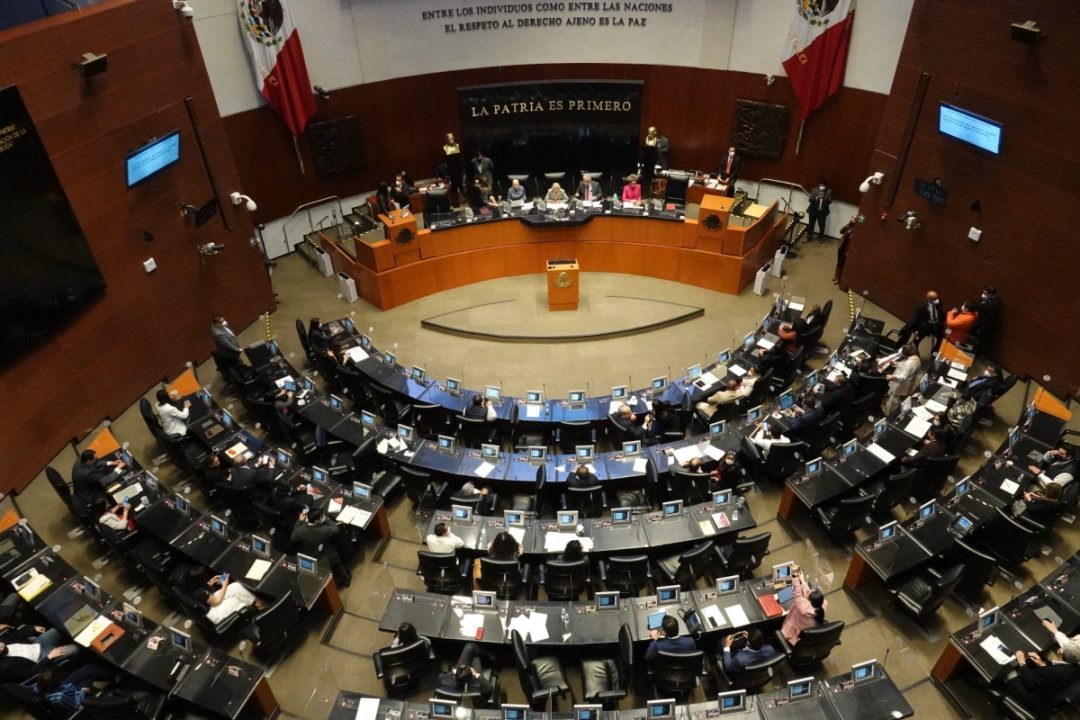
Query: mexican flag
[[277, 60], [815, 54]]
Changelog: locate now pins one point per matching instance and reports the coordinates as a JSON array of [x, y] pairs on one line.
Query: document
[[556, 541], [996, 649], [128, 492], [713, 617], [684, 455], [796, 304], [353, 516], [707, 528], [35, 587], [881, 453], [639, 464], [958, 375], [470, 623], [334, 506], [237, 449], [714, 452], [257, 571], [483, 469], [91, 631], [1009, 486], [737, 370], [708, 379], [934, 406], [917, 427], [368, 709], [356, 354], [518, 533], [720, 519], [922, 413], [538, 631], [532, 410], [737, 616]]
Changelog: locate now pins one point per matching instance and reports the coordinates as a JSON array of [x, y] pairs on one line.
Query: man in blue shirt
[[667, 638], [755, 651]]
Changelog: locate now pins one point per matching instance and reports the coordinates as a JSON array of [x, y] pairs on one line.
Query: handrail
[[785, 183], [307, 206]]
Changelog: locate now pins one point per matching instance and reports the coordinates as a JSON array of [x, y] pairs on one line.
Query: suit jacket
[[89, 481], [736, 165], [1046, 682], [309, 537], [678, 644], [594, 186], [921, 317], [225, 340], [482, 166], [824, 196], [983, 385], [806, 423], [736, 662], [575, 481], [988, 310]]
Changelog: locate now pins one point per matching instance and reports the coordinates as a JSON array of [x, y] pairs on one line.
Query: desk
[[776, 706], [876, 699]]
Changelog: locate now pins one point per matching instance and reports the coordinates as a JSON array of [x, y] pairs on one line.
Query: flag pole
[[798, 141], [300, 159]]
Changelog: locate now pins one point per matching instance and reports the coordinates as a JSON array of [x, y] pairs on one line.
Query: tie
[[933, 313], [727, 170], [588, 191]]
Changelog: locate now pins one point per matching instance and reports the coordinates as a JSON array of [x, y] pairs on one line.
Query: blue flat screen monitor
[[727, 585], [618, 392], [483, 599], [180, 639], [584, 453], [307, 564], [723, 358], [963, 524], [492, 393], [962, 487], [182, 505], [587, 712], [694, 371], [260, 547], [217, 526], [926, 510], [515, 712], [537, 453], [453, 386], [813, 467], [418, 373], [132, 616], [367, 418], [966, 126], [811, 381], [534, 396], [786, 400], [577, 398], [567, 519], [849, 447], [336, 402], [142, 164], [748, 341], [801, 688], [461, 512], [360, 491], [282, 458], [886, 531], [405, 432], [446, 443], [608, 600], [672, 508], [721, 497], [732, 701], [620, 516], [861, 672], [658, 383], [441, 709], [365, 342], [91, 589], [988, 618], [753, 414], [717, 428], [879, 427], [307, 384], [660, 709], [631, 447], [667, 594], [319, 475], [390, 359], [513, 518], [489, 452]]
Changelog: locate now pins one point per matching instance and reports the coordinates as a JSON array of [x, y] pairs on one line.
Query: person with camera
[[745, 648]]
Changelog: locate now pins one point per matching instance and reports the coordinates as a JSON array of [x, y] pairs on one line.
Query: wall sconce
[[875, 179]]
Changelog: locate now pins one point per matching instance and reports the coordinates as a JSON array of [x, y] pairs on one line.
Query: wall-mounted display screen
[[152, 158], [968, 127]]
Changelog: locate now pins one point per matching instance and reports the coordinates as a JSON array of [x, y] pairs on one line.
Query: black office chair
[[475, 697], [429, 419], [846, 516], [931, 476], [443, 573], [238, 500], [686, 569], [371, 468], [436, 205], [627, 574], [29, 701], [261, 409], [690, 487], [742, 556], [814, 645], [607, 680], [474, 432], [676, 675], [618, 431], [390, 409], [566, 579], [856, 415], [541, 678], [569, 434], [825, 435], [980, 570], [78, 511], [890, 492], [1012, 542], [590, 502], [784, 459], [508, 578], [557, 177], [275, 628], [532, 502], [277, 525], [922, 597], [123, 704], [297, 434], [421, 488], [755, 676], [403, 667], [675, 192]]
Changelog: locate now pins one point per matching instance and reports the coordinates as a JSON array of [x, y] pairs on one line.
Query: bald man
[[927, 320]]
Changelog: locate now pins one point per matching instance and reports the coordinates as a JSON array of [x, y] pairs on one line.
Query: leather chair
[[618, 431], [570, 434], [261, 409], [421, 489], [532, 502], [1009, 540], [28, 700], [123, 705], [756, 676], [627, 574], [507, 578], [846, 516], [855, 416], [814, 645], [931, 476], [590, 502], [75, 507], [922, 597], [277, 525], [390, 409], [557, 176], [443, 573], [784, 459], [566, 579], [607, 680], [541, 677], [474, 432], [824, 435], [429, 419], [676, 675], [980, 570], [298, 435], [690, 487], [891, 491], [685, 570], [273, 629], [742, 556], [370, 468], [402, 667], [675, 191]]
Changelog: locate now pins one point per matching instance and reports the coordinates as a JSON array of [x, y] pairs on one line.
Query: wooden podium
[[562, 284], [401, 232]]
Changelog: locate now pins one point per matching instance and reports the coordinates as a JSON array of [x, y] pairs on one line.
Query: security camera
[[237, 198], [184, 7], [875, 179]]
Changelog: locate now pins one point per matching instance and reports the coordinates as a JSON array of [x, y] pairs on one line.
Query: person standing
[[483, 169], [729, 170], [927, 320], [960, 321], [225, 339], [841, 251], [818, 210]]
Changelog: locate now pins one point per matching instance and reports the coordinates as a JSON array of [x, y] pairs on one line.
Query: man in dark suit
[[667, 639], [483, 169], [840, 395], [224, 338], [588, 189], [729, 170], [754, 650], [928, 319], [808, 421], [932, 447], [582, 477], [1038, 682], [90, 476], [818, 210], [983, 388], [314, 536]]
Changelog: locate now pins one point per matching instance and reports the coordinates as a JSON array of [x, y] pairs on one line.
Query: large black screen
[[46, 269]]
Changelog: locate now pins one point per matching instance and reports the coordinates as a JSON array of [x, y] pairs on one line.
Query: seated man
[[516, 193], [745, 648], [1057, 466], [222, 595], [733, 391], [467, 674], [985, 387], [668, 639], [64, 694], [1040, 507], [588, 189], [90, 476], [442, 540], [637, 429], [840, 395], [316, 537], [556, 194], [764, 439], [318, 337], [481, 409], [582, 477], [808, 420], [26, 649], [1037, 682]]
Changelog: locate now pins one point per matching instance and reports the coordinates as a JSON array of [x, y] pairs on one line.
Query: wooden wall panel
[[144, 327], [404, 121], [1028, 195]]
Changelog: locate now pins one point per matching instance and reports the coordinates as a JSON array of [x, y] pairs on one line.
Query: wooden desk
[[562, 285], [104, 443], [858, 573], [401, 232]]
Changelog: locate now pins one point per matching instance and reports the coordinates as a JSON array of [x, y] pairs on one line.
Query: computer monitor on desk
[[864, 671], [489, 452], [515, 712], [631, 448], [566, 520], [493, 393], [717, 428], [660, 709], [620, 516], [453, 387], [576, 399], [667, 595], [800, 689], [731, 701]]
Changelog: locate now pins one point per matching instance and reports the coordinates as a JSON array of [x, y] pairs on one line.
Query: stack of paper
[[881, 453], [356, 354], [483, 469], [721, 521], [707, 527], [1009, 486], [737, 616], [737, 370], [917, 427], [470, 623], [531, 625], [556, 541], [257, 570], [934, 406], [334, 506], [709, 379]]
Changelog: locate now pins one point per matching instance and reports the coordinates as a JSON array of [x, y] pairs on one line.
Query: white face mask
[[821, 187]]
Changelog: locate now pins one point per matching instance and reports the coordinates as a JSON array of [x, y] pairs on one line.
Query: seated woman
[[1040, 507], [502, 547], [556, 194], [807, 609], [572, 552], [631, 192], [221, 594], [406, 635]]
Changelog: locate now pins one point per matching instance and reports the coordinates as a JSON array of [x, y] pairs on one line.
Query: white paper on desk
[[737, 370], [713, 616], [521, 624], [128, 492], [1009, 486], [797, 306], [934, 406], [556, 541], [538, 631], [707, 528], [334, 506], [518, 533], [881, 453], [684, 455], [708, 379], [348, 514], [382, 446], [958, 374], [257, 570], [483, 469], [737, 616], [992, 645], [714, 452], [280, 382], [368, 709], [470, 623], [356, 354], [358, 519], [949, 382], [765, 343], [532, 410], [91, 631], [922, 413], [613, 406], [917, 427], [640, 463]]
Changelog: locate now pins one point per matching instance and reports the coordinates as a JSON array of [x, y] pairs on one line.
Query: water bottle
[[565, 619]]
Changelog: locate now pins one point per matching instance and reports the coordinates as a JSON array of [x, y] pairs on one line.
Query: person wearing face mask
[[729, 170], [818, 210], [983, 388], [931, 447], [960, 321], [729, 474], [927, 320]]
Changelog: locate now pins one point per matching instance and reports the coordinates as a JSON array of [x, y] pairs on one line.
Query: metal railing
[[310, 207]]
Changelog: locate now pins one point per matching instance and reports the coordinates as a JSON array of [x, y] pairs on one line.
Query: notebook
[[257, 570], [34, 587], [770, 606]]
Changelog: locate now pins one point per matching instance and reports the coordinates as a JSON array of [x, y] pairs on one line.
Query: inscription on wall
[[490, 17]]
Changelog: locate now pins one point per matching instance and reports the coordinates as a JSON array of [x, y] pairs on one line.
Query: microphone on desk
[[546, 406], [588, 390], [886, 657]]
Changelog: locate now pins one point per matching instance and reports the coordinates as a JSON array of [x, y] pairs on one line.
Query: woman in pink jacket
[[807, 609]]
